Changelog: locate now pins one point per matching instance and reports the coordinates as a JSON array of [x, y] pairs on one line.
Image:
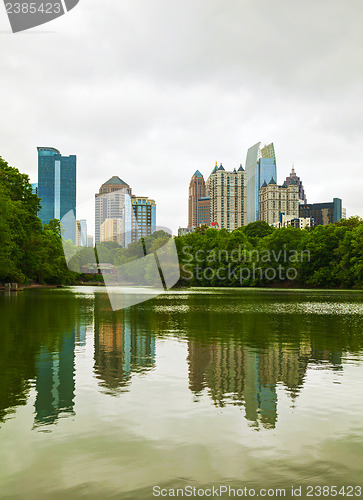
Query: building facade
[[291, 221], [260, 168], [276, 200], [290, 178], [81, 233], [227, 193], [113, 201], [143, 222], [57, 189], [322, 213], [111, 230], [199, 202]]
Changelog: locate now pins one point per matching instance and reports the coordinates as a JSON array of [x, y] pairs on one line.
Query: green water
[[244, 388]]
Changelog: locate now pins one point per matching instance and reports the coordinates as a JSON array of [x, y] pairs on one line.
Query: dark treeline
[[259, 255], [28, 250]]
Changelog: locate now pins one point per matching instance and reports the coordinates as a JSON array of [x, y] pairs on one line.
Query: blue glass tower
[[57, 189], [260, 167]]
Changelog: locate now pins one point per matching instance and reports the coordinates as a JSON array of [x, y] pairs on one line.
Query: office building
[[199, 202], [290, 178], [143, 222], [260, 168], [322, 213], [57, 189], [90, 241], [81, 233], [111, 230], [227, 191], [35, 187], [276, 200], [113, 201]]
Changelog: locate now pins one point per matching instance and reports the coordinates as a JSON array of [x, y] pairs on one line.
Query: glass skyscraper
[[57, 189], [260, 168]]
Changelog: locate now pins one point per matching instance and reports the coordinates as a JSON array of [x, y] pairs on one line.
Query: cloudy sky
[[151, 90]]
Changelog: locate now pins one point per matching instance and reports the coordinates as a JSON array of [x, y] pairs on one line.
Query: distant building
[[260, 168], [293, 176], [322, 213], [290, 220], [199, 202], [35, 187], [90, 241], [81, 233], [111, 230], [143, 222], [344, 213], [57, 189], [275, 200], [227, 191], [113, 201], [182, 231]]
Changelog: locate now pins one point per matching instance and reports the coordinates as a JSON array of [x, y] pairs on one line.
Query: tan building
[[111, 230], [112, 202], [276, 200], [199, 203], [227, 191]]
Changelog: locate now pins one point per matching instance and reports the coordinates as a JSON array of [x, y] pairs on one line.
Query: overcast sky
[[151, 90]]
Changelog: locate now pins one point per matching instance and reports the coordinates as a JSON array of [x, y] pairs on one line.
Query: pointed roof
[[215, 169], [272, 181], [241, 169], [197, 174], [221, 167], [264, 184], [293, 182], [115, 180], [234, 171], [284, 185]]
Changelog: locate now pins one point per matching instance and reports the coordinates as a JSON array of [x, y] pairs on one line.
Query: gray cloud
[[152, 91]]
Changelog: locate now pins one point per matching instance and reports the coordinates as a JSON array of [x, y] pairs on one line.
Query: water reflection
[[241, 349], [55, 381], [121, 347], [236, 374]]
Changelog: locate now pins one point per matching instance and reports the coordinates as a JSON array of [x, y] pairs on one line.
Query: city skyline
[[207, 100]]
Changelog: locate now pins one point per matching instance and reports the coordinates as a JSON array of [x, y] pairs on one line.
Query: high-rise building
[[276, 200], [111, 230], [113, 201], [35, 188], [198, 207], [143, 222], [90, 241], [293, 176], [260, 167], [322, 213], [57, 189], [227, 198], [81, 233]]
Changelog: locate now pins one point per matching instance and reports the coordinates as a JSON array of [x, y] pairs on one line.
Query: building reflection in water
[[55, 384], [241, 375], [120, 349]]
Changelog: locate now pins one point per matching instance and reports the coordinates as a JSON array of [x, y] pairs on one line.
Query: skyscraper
[[260, 168], [81, 234], [277, 200], [227, 192], [294, 177], [57, 189], [143, 222], [113, 201], [198, 209]]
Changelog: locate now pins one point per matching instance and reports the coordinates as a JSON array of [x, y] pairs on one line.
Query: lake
[[245, 388]]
